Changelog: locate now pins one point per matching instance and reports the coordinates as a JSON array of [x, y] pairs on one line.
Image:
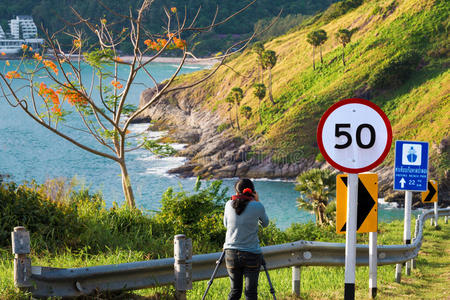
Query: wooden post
[[296, 275], [182, 268], [20, 238]]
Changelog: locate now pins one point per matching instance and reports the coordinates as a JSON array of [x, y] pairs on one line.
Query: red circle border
[[363, 102]]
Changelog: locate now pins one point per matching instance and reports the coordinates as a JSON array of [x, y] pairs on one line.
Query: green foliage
[[158, 148], [237, 94], [340, 8], [99, 58], [222, 127], [269, 59], [260, 90], [198, 215], [395, 71], [344, 36], [316, 37], [258, 48], [246, 111], [317, 187]]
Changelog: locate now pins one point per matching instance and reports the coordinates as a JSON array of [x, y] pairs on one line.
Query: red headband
[[247, 190]]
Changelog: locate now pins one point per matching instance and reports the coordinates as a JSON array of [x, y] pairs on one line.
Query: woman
[[243, 256]]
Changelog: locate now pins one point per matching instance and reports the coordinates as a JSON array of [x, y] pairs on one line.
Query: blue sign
[[411, 166]]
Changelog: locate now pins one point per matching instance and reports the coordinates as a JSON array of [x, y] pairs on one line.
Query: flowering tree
[[100, 101]]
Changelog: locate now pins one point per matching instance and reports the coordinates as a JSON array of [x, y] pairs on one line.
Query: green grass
[[428, 281]]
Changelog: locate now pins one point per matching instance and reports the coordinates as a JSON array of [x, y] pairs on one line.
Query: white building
[[23, 27], [22, 31]]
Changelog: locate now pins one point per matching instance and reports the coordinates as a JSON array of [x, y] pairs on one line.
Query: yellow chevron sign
[[367, 215], [431, 195]]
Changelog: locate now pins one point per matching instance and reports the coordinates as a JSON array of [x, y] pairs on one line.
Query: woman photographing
[[243, 214]]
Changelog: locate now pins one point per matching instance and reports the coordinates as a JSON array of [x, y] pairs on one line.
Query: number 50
[[339, 131]]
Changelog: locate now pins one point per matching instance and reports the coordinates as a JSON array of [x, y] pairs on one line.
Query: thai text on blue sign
[[411, 166]]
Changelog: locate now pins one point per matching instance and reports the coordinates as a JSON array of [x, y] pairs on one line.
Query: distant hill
[[54, 13], [398, 57]]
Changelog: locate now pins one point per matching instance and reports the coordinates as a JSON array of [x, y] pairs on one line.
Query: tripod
[[219, 261]]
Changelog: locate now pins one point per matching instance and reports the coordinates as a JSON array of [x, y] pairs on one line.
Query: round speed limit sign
[[354, 135]]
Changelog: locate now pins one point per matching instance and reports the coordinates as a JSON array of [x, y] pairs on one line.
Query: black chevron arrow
[[365, 204], [432, 192]]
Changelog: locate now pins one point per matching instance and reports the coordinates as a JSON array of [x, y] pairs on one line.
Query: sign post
[[367, 216], [410, 174], [354, 136], [431, 196]]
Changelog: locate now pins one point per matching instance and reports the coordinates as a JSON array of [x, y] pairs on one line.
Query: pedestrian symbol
[[412, 154]]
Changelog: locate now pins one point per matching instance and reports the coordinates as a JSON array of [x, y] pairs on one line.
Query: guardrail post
[[182, 265], [446, 219], [436, 214], [398, 273], [296, 275], [20, 238], [416, 232]]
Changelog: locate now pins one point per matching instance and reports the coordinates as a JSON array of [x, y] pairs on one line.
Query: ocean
[[28, 152]]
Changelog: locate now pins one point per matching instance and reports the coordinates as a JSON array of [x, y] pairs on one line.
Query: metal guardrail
[[46, 281]]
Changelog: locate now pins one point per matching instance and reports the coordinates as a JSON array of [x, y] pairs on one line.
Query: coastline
[[209, 61]]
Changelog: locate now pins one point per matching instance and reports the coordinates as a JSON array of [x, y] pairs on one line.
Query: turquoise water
[[29, 151]]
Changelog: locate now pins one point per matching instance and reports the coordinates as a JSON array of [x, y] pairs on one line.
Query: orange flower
[[7, 63], [118, 59], [51, 65], [77, 43], [103, 21], [116, 84], [49, 94], [31, 49], [24, 47], [3, 53], [37, 56], [173, 10], [12, 74]]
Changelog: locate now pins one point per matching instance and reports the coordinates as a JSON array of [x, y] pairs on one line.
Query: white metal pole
[[373, 264], [350, 237], [398, 273], [296, 280], [436, 214], [446, 219], [407, 229]]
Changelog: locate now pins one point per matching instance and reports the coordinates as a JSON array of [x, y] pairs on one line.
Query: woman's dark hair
[[245, 189]]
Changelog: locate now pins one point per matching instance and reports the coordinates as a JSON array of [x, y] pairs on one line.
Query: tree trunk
[[126, 185], [321, 60], [314, 63], [270, 86], [231, 121], [259, 111], [237, 117]]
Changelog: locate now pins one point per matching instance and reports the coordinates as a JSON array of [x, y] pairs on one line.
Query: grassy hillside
[[398, 58]]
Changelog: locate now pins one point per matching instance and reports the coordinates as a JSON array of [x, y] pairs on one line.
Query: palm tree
[[317, 187], [230, 100], [246, 111], [237, 95], [258, 48], [344, 36], [322, 39], [260, 93], [317, 38], [269, 59]]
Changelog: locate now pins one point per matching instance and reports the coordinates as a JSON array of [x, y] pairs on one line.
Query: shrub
[[340, 8], [222, 127], [395, 71]]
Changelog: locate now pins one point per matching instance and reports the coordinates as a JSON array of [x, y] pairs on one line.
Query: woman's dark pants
[[239, 264]]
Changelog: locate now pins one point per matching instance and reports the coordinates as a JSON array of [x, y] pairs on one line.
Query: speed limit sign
[[354, 135]]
